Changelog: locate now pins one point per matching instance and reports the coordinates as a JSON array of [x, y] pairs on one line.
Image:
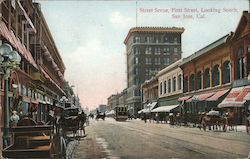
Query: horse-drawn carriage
[[213, 120], [100, 116]]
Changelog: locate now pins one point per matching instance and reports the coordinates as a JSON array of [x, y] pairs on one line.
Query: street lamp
[[9, 60]]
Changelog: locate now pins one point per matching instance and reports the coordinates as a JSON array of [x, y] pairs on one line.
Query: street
[[136, 139]]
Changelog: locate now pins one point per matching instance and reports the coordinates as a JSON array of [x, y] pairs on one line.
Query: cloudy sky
[[90, 35]]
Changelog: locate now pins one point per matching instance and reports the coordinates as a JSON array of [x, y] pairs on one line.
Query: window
[[136, 51], [157, 51], [157, 61], [165, 87], [165, 38], [191, 83], [216, 75], [161, 88], [148, 61], [157, 39], [175, 50], [147, 39], [207, 78], [148, 50], [226, 72], [169, 85], [174, 84], [137, 39], [185, 82], [198, 79], [175, 40], [136, 71], [240, 64], [166, 60], [179, 82], [136, 60]]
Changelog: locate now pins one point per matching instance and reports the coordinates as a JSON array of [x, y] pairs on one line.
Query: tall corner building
[[148, 50]]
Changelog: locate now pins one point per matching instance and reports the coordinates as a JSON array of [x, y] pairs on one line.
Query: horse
[[213, 122], [231, 121]]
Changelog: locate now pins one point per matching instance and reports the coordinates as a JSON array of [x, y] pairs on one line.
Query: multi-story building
[[148, 50], [113, 101], [170, 87], [149, 91], [39, 81], [122, 98], [207, 76], [236, 100]]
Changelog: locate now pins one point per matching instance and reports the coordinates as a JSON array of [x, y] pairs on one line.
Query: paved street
[[135, 139]]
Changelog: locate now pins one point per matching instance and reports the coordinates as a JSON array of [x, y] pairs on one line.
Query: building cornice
[[153, 30]]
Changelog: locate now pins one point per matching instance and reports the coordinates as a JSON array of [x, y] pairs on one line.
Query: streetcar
[[121, 113]]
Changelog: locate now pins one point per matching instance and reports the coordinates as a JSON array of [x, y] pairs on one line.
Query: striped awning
[[235, 98], [217, 95]]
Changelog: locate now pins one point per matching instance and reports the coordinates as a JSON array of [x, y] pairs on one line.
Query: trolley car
[[121, 113]]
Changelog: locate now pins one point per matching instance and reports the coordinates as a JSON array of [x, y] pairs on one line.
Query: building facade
[[148, 50], [207, 76], [113, 102], [40, 80], [170, 85]]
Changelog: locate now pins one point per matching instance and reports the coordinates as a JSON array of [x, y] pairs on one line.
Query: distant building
[[148, 50], [113, 101]]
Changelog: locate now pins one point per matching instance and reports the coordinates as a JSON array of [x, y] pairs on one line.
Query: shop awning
[[141, 111], [184, 98], [217, 95], [164, 109], [235, 98], [200, 97]]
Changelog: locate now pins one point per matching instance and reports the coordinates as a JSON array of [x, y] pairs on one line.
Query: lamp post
[[9, 60]]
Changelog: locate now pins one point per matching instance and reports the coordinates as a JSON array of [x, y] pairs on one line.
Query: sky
[[89, 35]]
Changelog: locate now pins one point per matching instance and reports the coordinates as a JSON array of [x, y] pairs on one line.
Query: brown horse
[[213, 122], [232, 121]]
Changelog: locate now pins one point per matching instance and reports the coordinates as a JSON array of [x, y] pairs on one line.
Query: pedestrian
[[14, 118], [157, 117], [144, 117]]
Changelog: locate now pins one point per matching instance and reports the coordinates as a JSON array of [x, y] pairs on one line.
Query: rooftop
[[153, 30]]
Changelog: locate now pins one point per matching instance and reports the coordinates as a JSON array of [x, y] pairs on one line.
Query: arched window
[[169, 85], [191, 83], [198, 79], [185, 83], [226, 72], [216, 75], [240, 63], [207, 78], [179, 82], [161, 88], [174, 84], [165, 87]]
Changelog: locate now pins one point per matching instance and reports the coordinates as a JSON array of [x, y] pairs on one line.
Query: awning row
[[148, 108], [212, 96], [235, 98]]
